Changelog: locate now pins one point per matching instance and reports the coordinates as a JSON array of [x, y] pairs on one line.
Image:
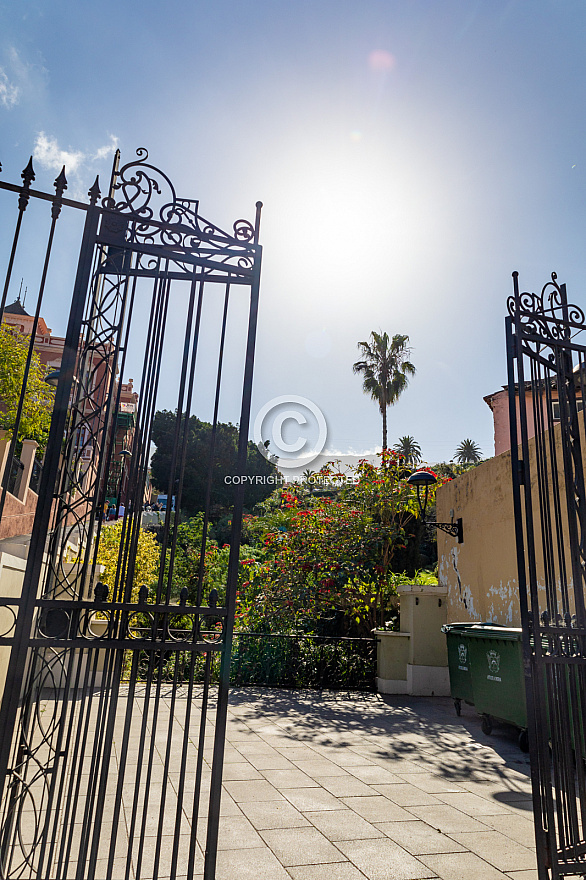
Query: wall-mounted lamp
[[53, 378], [422, 480]]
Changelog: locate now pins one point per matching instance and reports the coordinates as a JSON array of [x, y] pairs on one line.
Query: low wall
[[18, 516], [415, 660]]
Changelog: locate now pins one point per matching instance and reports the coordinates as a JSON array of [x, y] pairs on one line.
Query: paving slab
[[235, 832], [238, 772], [344, 786], [447, 819], [345, 756], [273, 814], [419, 838], [473, 804], [429, 782], [518, 827], [288, 779], [258, 864], [374, 774], [298, 753], [334, 871], [385, 860], [406, 795], [271, 760], [252, 790], [462, 866], [343, 825], [497, 849], [300, 846], [376, 808], [306, 799]]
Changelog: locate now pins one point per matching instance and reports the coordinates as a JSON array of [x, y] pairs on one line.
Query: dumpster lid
[[464, 625], [495, 631], [483, 630]]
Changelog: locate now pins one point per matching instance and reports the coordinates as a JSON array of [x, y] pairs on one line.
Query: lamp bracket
[[453, 529]]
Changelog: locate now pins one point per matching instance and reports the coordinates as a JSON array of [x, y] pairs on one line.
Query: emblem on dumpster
[[462, 653], [494, 662]]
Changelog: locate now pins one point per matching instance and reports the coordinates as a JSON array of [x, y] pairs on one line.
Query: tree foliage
[[385, 369], [468, 452], [327, 561], [38, 403], [197, 465], [409, 448], [146, 566]]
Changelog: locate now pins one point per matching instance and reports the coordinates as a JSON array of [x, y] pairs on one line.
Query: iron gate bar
[[28, 175], [212, 450], [231, 586], [550, 515], [123, 245], [60, 186]]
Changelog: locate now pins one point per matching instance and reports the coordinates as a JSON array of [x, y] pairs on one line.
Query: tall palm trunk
[[384, 414]]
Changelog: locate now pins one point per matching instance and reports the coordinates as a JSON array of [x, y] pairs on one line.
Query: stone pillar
[[423, 613], [415, 660], [27, 457]]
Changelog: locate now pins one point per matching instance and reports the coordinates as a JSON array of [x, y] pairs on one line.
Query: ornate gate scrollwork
[[547, 383], [112, 691]]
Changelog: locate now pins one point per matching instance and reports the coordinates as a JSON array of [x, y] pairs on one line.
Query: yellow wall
[[481, 574]]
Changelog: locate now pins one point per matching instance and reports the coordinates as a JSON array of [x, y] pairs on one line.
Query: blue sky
[[410, 154]]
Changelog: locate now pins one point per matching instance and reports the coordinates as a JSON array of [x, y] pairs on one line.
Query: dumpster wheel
[[486, 724], [524, 740], [458, 707]]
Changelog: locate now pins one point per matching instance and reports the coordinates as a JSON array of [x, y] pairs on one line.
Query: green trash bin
[[498, 684], [459, 663]]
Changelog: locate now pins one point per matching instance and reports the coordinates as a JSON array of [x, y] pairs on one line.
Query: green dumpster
[[498, 684], [459, 663]]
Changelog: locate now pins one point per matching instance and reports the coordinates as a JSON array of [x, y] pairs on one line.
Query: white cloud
[[9, 93], [80, 166], [49, 154], [20, 80], [106, 150]]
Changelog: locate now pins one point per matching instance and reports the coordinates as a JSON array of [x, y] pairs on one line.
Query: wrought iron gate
[[109, 698], [547, 383]]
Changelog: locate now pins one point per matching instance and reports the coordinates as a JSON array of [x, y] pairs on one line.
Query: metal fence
[[291, 661], [36, 475], [15, 476], [277, 660]]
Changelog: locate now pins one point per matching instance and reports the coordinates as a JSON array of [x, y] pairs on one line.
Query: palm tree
[[468, 452], [409, 448], [384, 368]]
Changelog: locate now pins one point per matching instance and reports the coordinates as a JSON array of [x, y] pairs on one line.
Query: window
[[555, 408]]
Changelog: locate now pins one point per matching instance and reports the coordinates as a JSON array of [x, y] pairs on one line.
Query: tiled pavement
[[346, 787]]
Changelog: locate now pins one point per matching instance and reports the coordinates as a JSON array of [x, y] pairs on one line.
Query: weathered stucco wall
[[481, 574]]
